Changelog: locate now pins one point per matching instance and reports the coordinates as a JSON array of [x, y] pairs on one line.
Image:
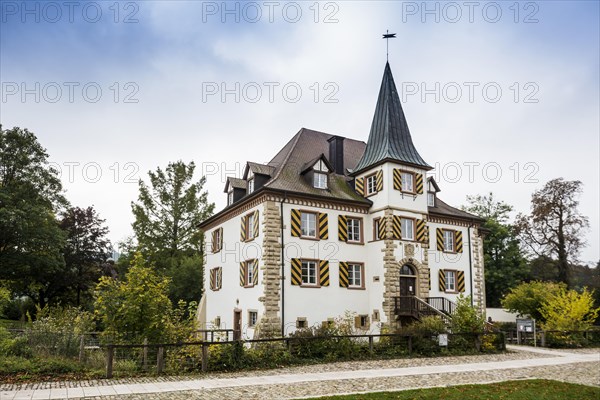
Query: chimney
[[336, 154]]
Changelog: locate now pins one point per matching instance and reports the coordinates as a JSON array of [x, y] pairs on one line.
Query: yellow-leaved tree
[[569, 310]]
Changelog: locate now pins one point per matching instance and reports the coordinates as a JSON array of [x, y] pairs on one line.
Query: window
[[320, 180], [252, 318], [376, 224], [354, 230], [308, 224], [230, 198], [371, 184], [355, 279], [215, 278], [301, 323], [450, 280], [217, 240], [217, 322], [408, 229], [249, 273], [375, 315], [250, 226], [250, 185], [408, 182], [431, 199], [448, 240], [361, 322], [309, 273]]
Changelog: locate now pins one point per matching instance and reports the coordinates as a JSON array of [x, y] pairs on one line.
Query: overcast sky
[[500, 97]]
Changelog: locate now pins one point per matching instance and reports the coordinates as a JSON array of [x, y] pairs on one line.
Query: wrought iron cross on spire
[[387, 36]]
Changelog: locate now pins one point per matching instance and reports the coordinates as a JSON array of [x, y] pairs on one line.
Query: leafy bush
[[528, 298], [465, 317], [430, 325], [569, 310], [17, 346]]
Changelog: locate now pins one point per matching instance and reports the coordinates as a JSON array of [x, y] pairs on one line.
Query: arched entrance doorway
[[408, 287]]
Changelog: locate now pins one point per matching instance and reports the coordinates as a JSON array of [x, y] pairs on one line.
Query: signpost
[[526, 325]]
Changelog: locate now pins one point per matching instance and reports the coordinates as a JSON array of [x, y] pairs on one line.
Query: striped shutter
[[255, 273], [243, 273], [442, 279], [379, 181], [359, 185], [459, 241], [220, 244], [296, 229], [243, 229], [219, 278], [439, 239], [343, 274], [397, 179], [381, 228], [419, 183], [213, 276], [296, 272], [255, 229], [323, 226], [324, 273], [342, 228], [460, 281], [421, 231], [397, 227], [213, 243]]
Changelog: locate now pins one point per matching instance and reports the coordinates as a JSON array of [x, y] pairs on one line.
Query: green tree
[[555, 227], [167, 214], [138, 307], [30, 237], [465, 317], [528, 298], [86, 252], [505, 265], [568, 310]]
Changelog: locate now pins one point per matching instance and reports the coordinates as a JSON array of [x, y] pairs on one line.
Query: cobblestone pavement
[[577, 366]]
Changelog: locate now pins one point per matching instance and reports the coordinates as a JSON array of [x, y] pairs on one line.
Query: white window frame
[[306, 220], [249, 272], [217, 238], [355, 275], [309, 273], [252, 318], [320, 180], [354, 230], [250, 226], [449, 240], [250, 185], [371, 184], [450, 276], [408, 181], [430, 199], [230, 197], [404, 229]]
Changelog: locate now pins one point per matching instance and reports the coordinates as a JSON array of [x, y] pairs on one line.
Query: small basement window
[[252, 318], [301, 323]]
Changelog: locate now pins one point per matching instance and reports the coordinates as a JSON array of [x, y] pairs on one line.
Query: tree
[[138, 307], [86, 251], [555, 226], [505, 265], [167, 215], [528, 298], [30, 198], [568, 310]]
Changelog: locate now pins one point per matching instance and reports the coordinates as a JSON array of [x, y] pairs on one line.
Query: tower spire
[[387, 36]]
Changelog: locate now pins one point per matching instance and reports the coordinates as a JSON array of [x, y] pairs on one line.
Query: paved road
[[573, 366]]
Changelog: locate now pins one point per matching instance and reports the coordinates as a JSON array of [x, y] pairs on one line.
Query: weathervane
[[387, 36]]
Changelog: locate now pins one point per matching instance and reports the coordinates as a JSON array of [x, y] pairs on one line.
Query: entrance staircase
[[416, 308]]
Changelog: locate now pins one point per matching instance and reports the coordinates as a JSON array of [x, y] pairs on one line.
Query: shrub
[[569, 310], [430, 325], [528, 298], [466, 318], [17, 346]]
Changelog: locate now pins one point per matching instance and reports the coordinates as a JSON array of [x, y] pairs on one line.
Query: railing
[[412, 306], [441, 303]]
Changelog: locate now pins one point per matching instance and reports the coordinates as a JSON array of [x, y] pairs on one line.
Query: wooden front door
[[237, 324], [407, 291]]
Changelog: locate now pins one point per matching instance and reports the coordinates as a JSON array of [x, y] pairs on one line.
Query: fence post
[[110, 354], [82, 349], [204, 357], [409, 345], [477, 342], [371, 344], [145, 354], [160, 359], [543, 338]]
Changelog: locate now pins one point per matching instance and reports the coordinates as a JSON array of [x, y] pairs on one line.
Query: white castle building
[[331, 225]]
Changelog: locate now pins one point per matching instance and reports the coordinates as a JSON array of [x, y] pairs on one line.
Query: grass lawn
[[537, 389]]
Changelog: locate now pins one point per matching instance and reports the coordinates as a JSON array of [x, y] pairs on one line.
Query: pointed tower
[[389, 139]]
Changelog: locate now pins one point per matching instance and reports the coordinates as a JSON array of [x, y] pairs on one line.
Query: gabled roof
[[307, 166], [434, 183], [389, 138], [443, 209], [235, 183], [257, 168]]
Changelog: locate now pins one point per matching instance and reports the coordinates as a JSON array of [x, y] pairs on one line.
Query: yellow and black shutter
[[359, 185], [379, 181], [323, 226], [243, 273], [255, 229], [296, 272], [255, 273], [342, 228], [381, 228], [296, 223], [459, 241], [439, 235], [213, 242], [460, 278], [243, 229], [419, 183], [421, 230], [397, 179], [442, 280], [324, 273], [213, 277], [397, 227], [343, 274]]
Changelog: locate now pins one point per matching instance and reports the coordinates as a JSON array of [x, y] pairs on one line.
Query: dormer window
[[230, 198], [320, 180], [431, 199], [250, 185]]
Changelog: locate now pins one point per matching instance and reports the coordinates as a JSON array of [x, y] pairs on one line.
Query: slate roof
[[389, 138], [261, 169], [442, 208], [234, 183]]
